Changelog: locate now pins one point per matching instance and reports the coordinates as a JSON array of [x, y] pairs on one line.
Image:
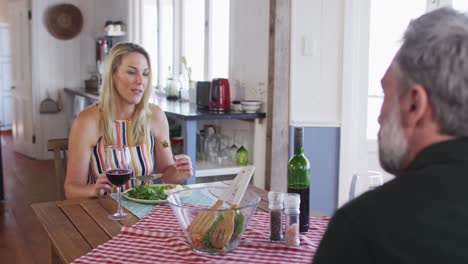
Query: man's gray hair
[[435, 54]]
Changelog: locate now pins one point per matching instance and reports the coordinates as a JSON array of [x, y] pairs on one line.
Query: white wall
[[248, 66], [326, 76], [3, 11], [316, 75], [64, 63], [316, 62]]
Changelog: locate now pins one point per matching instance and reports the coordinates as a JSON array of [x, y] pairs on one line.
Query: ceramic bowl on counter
[[236, 106], [251, 106]]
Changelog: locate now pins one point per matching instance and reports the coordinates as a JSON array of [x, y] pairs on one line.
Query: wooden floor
[[26, 181]]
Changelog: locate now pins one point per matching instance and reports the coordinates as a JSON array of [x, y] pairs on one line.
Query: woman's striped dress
[[142, 155]]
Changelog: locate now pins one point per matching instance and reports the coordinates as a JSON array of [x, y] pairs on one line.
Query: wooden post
[[277, 146]]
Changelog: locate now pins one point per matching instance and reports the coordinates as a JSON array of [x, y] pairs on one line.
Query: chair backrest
[[364, 181], [60, 148]]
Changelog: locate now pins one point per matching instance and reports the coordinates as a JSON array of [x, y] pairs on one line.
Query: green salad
[[149, 192], [238, 224]]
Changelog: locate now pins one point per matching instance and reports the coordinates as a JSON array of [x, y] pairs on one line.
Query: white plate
[[177, 188]]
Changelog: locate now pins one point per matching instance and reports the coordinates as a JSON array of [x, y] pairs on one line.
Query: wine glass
[[118, 171], [365, 181], [232, 150]]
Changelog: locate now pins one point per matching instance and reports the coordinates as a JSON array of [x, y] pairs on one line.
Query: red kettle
[[220, 99]]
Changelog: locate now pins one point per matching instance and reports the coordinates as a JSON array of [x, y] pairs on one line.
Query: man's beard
[[392, 142]]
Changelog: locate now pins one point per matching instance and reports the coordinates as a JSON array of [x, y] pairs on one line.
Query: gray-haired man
[[422, 215]]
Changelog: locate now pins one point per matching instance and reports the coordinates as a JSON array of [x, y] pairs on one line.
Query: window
[[219, 39], [166, 39], [384, 41], [149, 17], [193, 46], [461, 5], [194, 30]]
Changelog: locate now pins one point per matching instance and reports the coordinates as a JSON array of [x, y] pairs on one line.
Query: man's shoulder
[[388, 199]]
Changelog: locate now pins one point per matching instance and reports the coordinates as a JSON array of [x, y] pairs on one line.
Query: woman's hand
[[184, 166], [102, 186]]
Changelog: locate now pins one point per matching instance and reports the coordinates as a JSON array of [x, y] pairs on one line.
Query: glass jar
[[232, 153], [275, 205], [291, 213], [173, 88], [216, 147]]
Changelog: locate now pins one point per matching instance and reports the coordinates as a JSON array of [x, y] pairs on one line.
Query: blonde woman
[[122, 116]]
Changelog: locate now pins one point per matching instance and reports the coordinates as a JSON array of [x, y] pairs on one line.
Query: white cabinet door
[[23, 129]]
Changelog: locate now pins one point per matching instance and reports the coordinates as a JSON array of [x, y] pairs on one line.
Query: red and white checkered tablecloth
[[158, 238]]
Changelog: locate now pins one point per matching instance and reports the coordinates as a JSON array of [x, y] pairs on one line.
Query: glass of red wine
[[118, 171]]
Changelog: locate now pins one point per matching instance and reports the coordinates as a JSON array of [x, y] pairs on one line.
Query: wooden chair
[[60, 148]]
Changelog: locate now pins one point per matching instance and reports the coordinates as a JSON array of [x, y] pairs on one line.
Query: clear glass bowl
[[187, 204]]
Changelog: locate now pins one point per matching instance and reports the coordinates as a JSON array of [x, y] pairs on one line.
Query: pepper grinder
[[276, 207]]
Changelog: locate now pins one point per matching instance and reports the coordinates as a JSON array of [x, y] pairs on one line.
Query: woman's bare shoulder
[[86, 125], [155, 109], [157, 114], [89, 116], [158, 119]]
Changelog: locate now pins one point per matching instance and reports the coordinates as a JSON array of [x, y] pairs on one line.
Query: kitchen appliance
[[203, 95], [219, 95]]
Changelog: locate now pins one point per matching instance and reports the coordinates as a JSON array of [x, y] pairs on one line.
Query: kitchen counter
[[186, 110]]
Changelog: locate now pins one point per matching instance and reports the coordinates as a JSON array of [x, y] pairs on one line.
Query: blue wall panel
[[322, 148]]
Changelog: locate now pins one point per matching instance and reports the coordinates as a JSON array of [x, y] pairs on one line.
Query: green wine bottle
[[299, 178]]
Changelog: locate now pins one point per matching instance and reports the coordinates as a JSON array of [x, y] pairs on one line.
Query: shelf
[[111, 34], [207, 169]]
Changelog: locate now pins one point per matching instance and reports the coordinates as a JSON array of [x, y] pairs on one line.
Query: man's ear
[[416, 106]]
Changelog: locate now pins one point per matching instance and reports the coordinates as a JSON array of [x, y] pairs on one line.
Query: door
[[5, 94], [22, 123], [5, 84]]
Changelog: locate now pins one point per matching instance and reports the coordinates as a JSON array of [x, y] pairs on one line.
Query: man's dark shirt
[[419, 217]]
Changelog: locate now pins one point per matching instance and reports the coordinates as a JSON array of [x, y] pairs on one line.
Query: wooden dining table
[[77, 226]]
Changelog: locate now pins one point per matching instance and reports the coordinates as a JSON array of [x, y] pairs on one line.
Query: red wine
[[304, 207], [118, 177]]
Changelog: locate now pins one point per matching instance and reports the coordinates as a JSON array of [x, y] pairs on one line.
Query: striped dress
[[142, 155]]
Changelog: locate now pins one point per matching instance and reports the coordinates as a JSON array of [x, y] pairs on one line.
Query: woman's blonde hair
[[139, 127]]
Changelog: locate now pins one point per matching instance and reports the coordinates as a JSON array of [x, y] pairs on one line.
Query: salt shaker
[[276, 212], [291, 212]]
